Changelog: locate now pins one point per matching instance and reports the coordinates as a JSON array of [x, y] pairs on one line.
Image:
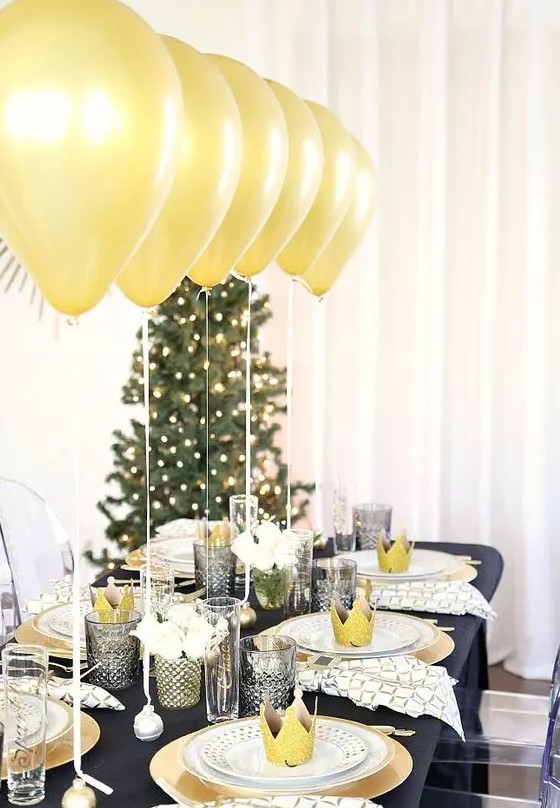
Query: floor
[[515, 781]]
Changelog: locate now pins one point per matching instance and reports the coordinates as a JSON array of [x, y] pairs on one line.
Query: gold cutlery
[[397, 733]]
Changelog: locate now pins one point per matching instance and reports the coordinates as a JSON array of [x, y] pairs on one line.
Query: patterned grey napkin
[[402, 683], [92, 697], [438, 597]]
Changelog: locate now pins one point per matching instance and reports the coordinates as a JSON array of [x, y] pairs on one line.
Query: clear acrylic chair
[[549, 792], [506, 729], [550, 777], [33, 543]]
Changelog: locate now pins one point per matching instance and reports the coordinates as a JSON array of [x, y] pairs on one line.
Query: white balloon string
[[77, 620], [319, 408], [207, 425], [148, 581], [248, 357], [289, 397]]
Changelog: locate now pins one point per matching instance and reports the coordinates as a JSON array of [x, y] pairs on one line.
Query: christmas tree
[[178, 424]]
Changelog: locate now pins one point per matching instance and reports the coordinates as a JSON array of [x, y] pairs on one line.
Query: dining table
[[122, 761]]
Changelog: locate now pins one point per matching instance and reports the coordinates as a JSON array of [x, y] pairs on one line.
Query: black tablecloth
[[121, 761]]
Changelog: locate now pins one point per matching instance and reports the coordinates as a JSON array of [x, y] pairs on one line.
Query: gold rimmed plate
[[27, 633], [168, 772]]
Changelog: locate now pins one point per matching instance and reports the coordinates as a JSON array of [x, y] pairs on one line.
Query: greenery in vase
[[177, 410], [270, 587]]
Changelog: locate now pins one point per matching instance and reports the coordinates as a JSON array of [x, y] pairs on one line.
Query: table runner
[[122, 761]]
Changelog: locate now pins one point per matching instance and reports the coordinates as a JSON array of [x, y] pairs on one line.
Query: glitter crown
[[354, 627], [288, 740], [394, 556]]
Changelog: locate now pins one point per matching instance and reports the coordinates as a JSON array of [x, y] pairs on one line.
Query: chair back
[[555, 685], [33, 541], [550, 773]]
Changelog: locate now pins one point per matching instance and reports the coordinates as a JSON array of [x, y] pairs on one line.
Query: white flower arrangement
[[264, 548], [184, 632]]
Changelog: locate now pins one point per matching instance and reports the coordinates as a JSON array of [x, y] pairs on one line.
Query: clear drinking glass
[[267, 670], [25, 670], [333, 579], [299, 543], [344, 540], [369, 520], [221, 664], [214, 568], [163, 586], [113, 651], [238, 513]]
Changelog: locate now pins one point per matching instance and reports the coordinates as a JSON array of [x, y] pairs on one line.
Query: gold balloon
[[263, 171], [204, 184], [91, 122], [305, 169], [325, 271], [333, 197]]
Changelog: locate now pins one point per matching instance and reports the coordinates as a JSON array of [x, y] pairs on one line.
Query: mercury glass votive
[[267, 670], [333, 579], [214, 568], [369, 520], [112, 651]]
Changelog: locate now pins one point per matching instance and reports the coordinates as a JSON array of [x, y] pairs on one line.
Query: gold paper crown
[[288, 740], [354, 627], [395, 556]]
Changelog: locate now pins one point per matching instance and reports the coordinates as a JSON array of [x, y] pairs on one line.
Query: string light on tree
[[177, 414]]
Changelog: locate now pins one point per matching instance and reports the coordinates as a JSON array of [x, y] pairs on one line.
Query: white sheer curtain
[[443, 341], [442, 348]]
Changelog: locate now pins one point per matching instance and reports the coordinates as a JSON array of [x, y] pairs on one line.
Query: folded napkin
[[285, 802], [402, 683], [178, 529], [439, 597], [92, 697], [62, 593]]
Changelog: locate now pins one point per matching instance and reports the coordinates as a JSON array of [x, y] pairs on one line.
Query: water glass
[[333, 579], [214, 568], [162, 577], [299, 544], [25, 670], [344, 540], [267, 670], [112, 651], [221, 663], [369, 520], [238, 513]]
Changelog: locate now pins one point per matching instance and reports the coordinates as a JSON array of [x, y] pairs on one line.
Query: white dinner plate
[[314, 632], [239, 751], [379, 752], [56, 622], [425, 564], [427, 633]]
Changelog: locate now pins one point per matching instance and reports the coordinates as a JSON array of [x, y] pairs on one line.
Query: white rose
[[170, 641], [263, 559], [268, 534], [146, 631], [182, 614], [244, 547]]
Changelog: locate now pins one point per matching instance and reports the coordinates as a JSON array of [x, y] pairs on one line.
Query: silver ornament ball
[[148, 725]]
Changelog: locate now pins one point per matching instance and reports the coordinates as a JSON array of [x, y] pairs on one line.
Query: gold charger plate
[[27, 633], [169, 774], [439, 649], [60, 751]]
